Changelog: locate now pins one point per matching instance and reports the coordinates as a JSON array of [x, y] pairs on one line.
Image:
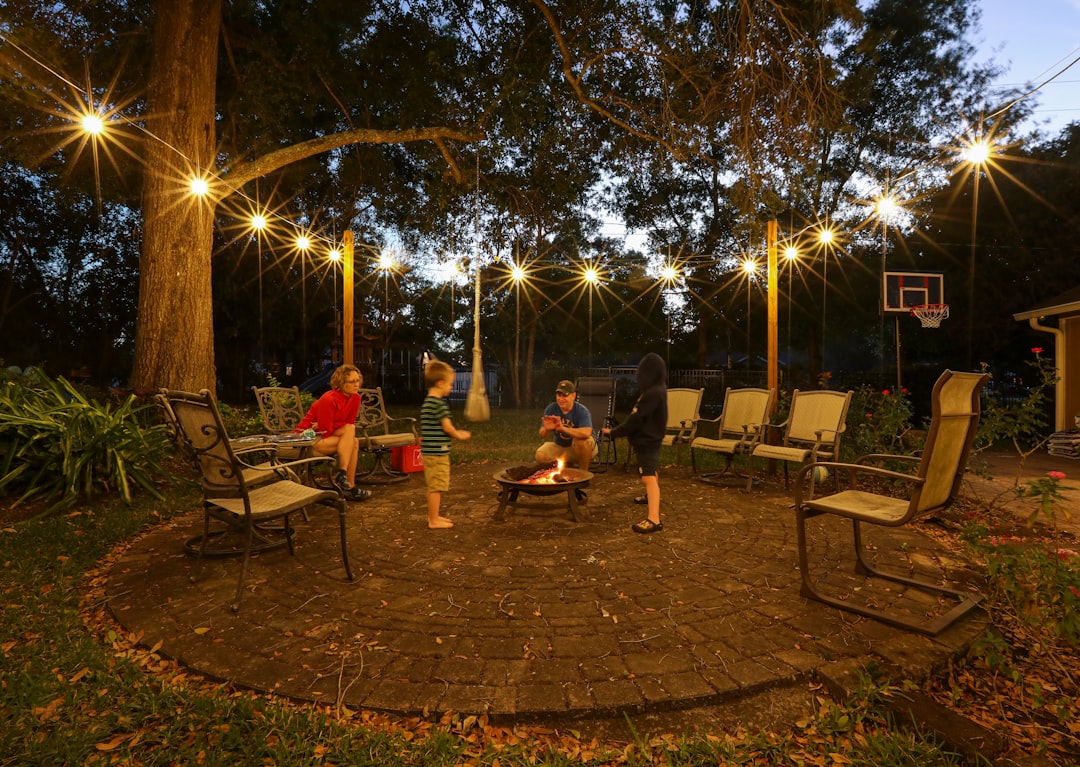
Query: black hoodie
[[647, 422]]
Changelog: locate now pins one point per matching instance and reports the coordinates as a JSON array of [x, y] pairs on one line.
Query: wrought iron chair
[[598, 396], [254, 444], [738, 430], [811, 432], [932, 487], [243, 497], [281, 408], [378, 434]]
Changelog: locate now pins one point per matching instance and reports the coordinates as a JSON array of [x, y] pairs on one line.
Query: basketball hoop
[[931, 315]]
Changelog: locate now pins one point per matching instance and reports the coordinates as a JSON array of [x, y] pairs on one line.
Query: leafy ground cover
[[76, 690], [1021, 680]]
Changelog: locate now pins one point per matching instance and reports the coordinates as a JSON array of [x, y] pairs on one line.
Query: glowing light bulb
[[93, 124], [977, 152]]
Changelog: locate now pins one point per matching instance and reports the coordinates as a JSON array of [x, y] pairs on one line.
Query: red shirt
[[330, 412]]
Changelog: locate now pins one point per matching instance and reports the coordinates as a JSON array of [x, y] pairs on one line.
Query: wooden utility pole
[[773, 304], [347, 302]]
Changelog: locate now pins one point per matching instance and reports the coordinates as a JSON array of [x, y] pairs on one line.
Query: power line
[[1037, 88]]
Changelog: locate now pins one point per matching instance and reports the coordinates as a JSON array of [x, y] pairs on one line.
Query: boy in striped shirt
[[436, 431]]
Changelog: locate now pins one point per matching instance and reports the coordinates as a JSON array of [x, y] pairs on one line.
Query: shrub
[[1035, 581], [878, 421], [1023, 424], [58, 444]]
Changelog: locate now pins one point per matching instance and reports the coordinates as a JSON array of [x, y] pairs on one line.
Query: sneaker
[[357, 494], [647, 526]]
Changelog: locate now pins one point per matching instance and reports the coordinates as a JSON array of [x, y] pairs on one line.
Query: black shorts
[[648, 461]]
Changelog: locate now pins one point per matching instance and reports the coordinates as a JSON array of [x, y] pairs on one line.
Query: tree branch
[[236, 177]]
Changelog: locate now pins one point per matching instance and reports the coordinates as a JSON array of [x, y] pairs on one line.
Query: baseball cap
[[565, 387]]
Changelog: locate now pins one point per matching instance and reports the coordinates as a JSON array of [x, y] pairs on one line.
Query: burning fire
[[548, 476]]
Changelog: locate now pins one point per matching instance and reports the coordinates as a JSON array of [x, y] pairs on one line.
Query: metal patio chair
[[812, 431], [281, 409], [683, 412], [598, 396], [932, 487], [242, 497], [736, 431], [378, 434]]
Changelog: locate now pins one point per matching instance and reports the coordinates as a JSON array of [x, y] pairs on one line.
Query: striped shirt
[[433, 440]]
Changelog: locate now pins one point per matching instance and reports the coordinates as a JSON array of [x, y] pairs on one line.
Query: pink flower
[[1036, 350], [885, 392], [1058, 475]]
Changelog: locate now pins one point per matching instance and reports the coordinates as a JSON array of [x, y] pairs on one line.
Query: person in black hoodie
[[644, 428]]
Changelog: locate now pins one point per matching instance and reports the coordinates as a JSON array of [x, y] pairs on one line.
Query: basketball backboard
[[903, 290]]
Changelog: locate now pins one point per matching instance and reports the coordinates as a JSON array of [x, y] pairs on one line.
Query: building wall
[[1069, 358]]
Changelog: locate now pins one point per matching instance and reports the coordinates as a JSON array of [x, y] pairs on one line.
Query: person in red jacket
[[333, 417]]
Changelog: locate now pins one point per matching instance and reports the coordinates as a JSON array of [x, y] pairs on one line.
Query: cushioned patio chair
[[378, 434], [598, 396], [736, 431], [812, 431], [242, 497], [931, 488]]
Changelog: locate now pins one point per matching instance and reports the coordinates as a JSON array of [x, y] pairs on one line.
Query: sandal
[[647, 526], [357, 494]]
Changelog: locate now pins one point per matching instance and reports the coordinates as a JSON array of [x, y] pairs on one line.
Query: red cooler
[[407, 459]]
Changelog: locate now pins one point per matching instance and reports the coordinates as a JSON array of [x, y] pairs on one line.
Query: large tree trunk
[[174, 341]]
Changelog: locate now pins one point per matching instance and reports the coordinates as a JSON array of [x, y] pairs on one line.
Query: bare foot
[[439, 523]]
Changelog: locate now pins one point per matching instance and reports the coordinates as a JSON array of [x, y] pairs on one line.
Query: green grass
[[508, 436], [74, 691]]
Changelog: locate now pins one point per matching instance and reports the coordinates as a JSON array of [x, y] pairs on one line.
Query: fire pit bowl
[[542, 480]]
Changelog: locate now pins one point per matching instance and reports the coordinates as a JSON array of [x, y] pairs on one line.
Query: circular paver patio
[[535, 617]]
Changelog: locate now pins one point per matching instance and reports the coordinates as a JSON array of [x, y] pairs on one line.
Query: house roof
[[1061, 304]]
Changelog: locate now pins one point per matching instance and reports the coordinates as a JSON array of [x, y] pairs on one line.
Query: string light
[[93, 124]]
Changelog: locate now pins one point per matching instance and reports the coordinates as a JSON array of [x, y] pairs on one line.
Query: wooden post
[[773, 304], [347, 302]]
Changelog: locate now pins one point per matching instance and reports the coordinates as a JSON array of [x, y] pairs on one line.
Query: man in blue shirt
[[570, 425]]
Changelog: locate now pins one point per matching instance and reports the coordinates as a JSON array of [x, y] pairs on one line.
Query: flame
[[550, 476]]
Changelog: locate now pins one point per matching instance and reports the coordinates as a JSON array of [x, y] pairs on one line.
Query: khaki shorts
[[437, 473], [549, 452]]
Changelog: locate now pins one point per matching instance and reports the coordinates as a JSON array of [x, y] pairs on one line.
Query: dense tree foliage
[[481, 137]]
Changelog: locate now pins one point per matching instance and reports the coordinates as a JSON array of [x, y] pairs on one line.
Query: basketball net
[[931, 315]]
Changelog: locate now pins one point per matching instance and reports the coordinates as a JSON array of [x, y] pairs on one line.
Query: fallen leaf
[[109, 745]]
